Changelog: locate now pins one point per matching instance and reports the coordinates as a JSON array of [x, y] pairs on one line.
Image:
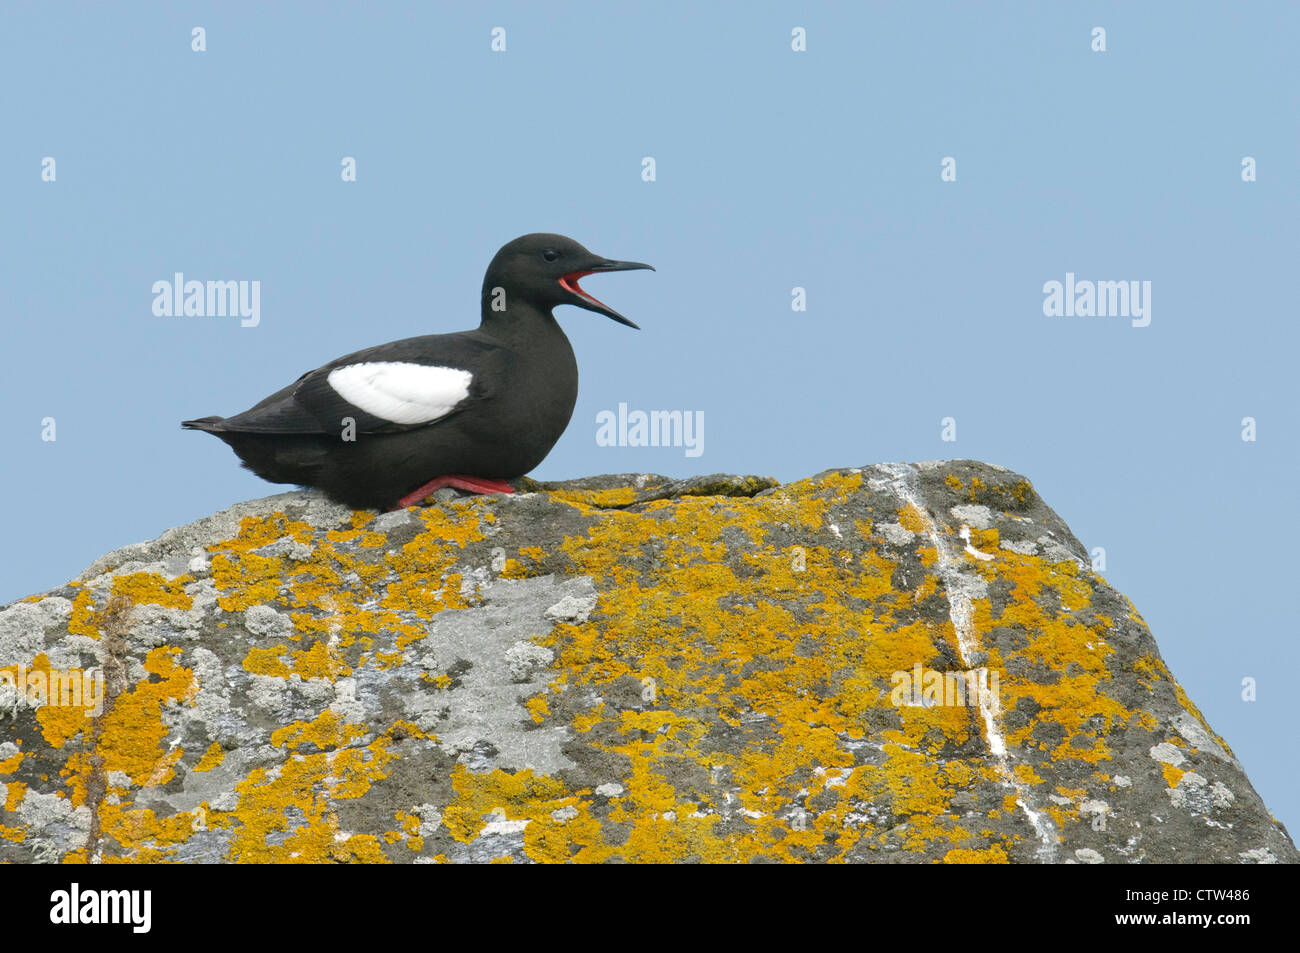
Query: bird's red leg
[[460, 482]]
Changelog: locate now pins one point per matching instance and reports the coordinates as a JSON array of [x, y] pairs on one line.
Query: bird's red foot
[[460, 482]]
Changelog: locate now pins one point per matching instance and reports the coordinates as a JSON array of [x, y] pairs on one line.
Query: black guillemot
[[471, 409]]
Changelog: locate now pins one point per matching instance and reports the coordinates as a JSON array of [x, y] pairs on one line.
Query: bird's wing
[[400, 386], [384, 396]]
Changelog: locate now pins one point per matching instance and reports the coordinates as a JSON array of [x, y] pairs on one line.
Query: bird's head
[[543, 269]]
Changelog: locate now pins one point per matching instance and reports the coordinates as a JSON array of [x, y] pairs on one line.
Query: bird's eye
[[550, 254]]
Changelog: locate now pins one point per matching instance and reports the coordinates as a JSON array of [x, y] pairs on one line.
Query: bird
[[384, 427]]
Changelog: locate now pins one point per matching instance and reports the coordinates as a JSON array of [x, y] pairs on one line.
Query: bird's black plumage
[[373, 426]]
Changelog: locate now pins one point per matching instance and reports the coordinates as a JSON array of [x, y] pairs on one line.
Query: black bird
[[386, 426]]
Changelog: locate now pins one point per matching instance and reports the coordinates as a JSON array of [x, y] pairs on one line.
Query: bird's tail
[[209, 424], [280, 458]]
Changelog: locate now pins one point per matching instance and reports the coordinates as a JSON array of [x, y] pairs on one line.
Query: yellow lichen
[[151, 588], [910, 518], [994, 854], [211, 758], [307, 784], [537, 708], [587, 500], [15, 791]]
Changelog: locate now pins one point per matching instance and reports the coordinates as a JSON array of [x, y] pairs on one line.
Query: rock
[[892, 663]]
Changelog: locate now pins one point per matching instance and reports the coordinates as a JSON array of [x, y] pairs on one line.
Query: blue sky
[[774, 169]]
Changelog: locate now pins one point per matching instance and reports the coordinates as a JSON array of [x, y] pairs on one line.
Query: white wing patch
[[399, 392]]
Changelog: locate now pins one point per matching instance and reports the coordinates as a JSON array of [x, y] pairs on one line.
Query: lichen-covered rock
[[894, 663]]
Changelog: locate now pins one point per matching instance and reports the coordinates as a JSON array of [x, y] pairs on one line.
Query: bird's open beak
[[569, 283]]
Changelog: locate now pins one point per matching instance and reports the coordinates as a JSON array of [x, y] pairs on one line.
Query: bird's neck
[[512, 320]]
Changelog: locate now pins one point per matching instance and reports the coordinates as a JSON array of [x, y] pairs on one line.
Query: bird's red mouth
[[569, 283]]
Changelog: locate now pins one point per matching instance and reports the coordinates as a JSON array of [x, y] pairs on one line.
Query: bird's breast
[[548, 388], [532, 405]]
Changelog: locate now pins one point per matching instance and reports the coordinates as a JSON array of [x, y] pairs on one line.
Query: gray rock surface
[[620, 668]]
